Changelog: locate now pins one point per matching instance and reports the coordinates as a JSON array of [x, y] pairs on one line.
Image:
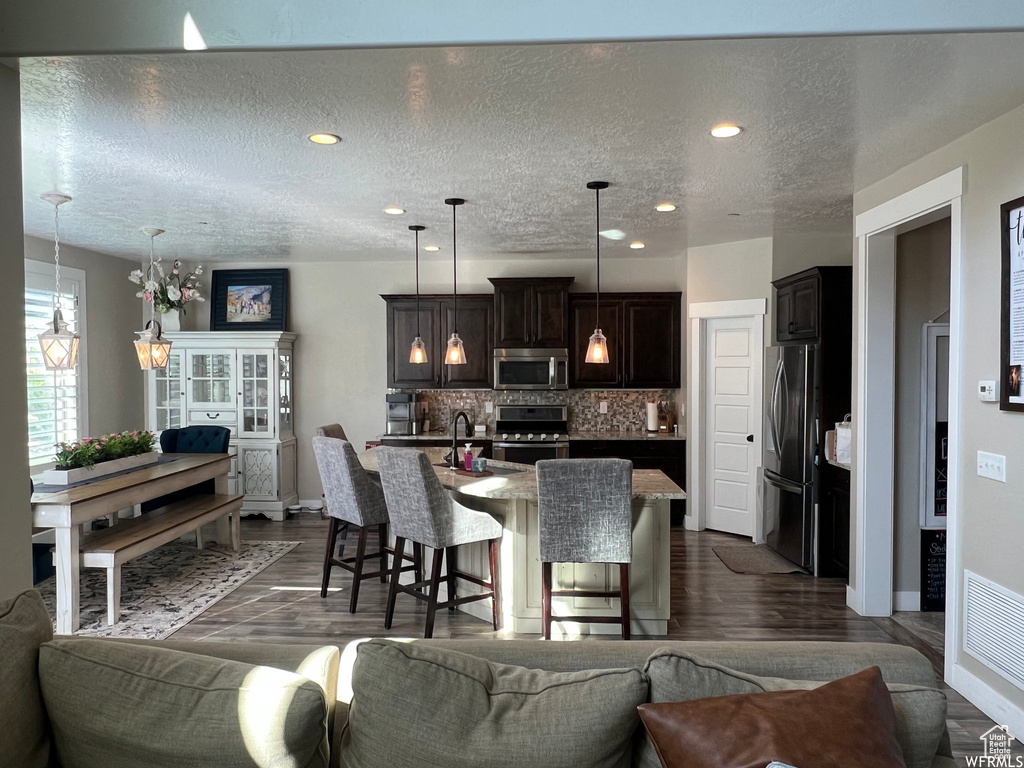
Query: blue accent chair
[[201, 438]]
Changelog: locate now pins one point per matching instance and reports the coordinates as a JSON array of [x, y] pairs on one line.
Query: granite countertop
[[647, 483], [620, 434], [580, 434]]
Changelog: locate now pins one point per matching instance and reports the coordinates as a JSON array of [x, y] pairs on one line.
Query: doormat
[[756, 559], [163, 590]]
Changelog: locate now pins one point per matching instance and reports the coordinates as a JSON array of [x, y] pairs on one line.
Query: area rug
[[757, 559], [165, 589]]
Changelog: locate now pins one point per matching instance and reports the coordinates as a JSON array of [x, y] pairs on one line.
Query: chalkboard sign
[[933, 570]]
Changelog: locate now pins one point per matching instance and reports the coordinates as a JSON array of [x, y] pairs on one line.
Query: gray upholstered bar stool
[[422, 511], [586, 516], [353, 500]]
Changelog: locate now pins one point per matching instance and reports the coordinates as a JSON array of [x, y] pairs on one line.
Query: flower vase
[[170, 321]]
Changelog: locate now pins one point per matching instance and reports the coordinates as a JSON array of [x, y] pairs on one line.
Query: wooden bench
[[110, 547]]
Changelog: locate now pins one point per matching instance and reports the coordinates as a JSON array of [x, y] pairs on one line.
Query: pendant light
[[418, 351], [151, 347], [59, 345], [455, 354], [597, 349]]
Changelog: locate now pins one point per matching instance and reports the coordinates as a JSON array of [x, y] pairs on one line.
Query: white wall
[[336, 310], [15, 519], [992, 522], [795, 252], [116, 385]]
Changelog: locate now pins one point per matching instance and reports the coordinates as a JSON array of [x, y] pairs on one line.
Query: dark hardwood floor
[[709, 602]]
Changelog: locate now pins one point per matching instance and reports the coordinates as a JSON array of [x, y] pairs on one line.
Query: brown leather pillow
[[848, 723]]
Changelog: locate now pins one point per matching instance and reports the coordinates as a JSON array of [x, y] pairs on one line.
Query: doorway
[[726, 402], [871, 591]]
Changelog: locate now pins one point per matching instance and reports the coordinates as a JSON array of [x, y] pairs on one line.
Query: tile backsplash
[[626, 408]]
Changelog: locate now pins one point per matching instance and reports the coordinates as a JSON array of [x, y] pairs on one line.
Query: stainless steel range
[[528, 433]]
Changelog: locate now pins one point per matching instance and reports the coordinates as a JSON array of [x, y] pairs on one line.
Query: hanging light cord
[[417, 283], [152, 301], [455, 272], [56, 254], [597, 203]]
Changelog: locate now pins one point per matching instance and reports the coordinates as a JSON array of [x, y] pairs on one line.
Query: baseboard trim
[[906, 601], [988, 700], [854, 601]]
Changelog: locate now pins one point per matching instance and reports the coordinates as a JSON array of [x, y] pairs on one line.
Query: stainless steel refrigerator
[[791, 412]]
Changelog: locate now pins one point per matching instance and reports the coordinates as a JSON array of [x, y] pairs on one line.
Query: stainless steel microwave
[[531, 369]]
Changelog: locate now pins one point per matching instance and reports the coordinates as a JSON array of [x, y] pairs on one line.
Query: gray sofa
[[331, 670]]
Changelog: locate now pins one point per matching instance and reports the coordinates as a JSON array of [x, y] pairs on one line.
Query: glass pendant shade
[[418, 351], [455, 354], [597, 349], [152, 348], [59, 345]]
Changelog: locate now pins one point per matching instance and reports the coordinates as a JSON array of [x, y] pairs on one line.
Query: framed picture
[[249, 300], [1011, 392]]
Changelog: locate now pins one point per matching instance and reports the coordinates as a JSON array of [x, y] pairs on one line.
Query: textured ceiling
[[212, 147]]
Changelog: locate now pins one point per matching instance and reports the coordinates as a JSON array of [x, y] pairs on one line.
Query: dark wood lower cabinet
[[665, 454], [834, 523]]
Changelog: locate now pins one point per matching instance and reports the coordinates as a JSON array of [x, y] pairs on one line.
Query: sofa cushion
[[679, 676], [24, 626], [115, 705], [848, 723], [415, 706]]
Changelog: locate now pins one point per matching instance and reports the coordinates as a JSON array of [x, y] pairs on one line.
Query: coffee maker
[[403, 413]]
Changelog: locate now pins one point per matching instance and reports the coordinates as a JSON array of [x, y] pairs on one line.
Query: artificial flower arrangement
[[168, 292], [93, 450]]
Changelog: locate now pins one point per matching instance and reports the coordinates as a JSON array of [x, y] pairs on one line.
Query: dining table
[[66, 509]]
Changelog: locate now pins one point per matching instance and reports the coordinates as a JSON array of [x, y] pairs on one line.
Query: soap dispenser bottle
[[467, 459]]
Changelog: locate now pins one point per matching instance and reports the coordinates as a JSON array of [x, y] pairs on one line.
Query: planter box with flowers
[[91, 457]]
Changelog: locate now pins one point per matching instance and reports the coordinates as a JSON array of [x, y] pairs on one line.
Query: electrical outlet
[[603, 406], [992, 466], [488, 407], [987, 391]]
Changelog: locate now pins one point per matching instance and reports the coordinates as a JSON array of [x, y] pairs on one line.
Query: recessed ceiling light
[[664, 207], [613, 234], [431, 247], [324, 138], [636, 246], [725, 131], [394, 210]]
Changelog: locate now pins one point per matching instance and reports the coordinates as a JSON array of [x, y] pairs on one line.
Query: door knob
[[750, 438]]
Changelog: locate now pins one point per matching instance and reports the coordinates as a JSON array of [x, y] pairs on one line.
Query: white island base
[[649, 574]]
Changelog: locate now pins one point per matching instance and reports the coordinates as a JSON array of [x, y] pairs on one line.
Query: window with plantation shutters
[[56, 399]]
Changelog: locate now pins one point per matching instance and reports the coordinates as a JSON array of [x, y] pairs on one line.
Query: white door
[[732, 419]]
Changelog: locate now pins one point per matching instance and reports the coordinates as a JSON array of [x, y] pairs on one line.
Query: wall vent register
[[993, 627]]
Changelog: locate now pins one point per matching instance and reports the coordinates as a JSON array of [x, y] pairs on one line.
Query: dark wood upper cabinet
[[643, 331], [582, 309], [401, 331], [797, 307], [531, 312], [652, 345], [476, 328]]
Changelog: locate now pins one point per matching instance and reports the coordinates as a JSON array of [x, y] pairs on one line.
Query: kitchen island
[[510, 495]]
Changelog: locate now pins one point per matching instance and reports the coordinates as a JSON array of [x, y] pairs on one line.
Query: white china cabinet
[[242, 381]]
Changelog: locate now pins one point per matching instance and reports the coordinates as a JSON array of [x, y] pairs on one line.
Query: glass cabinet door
[[285, 395], [255, 379], [168, 396], [211, 378]]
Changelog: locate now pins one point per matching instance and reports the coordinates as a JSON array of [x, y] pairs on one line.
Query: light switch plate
[[992, 466], [603, 406], [488, 407], [987, 391]]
